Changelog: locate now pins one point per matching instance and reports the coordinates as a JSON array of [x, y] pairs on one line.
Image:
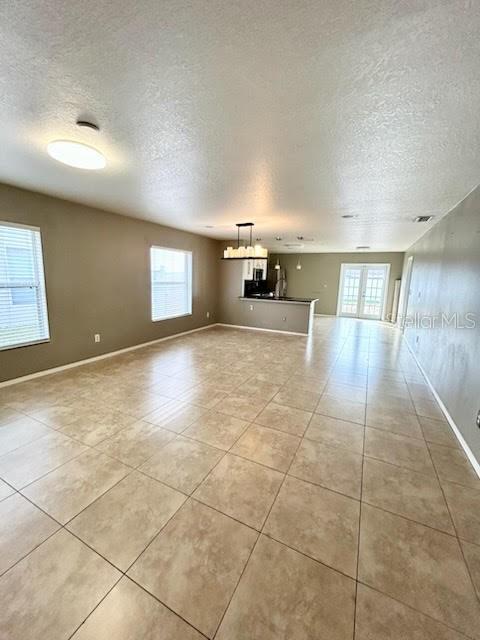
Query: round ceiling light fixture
[[76, 154]]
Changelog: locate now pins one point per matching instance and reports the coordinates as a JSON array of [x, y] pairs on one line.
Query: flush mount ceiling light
[[76, 154], [359, 248], [423, 218], [245, 252]]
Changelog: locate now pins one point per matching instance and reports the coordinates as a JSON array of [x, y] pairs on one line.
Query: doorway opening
[[405, 294], [363, 291]]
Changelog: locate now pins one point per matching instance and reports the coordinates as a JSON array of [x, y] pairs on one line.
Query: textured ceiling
[[288, 113]]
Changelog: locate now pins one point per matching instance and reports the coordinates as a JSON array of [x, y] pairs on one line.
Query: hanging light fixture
[[277, 265], [244, 252], [299, 266]]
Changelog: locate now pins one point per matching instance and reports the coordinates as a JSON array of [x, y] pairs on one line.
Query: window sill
[[24, 344], [181, 315]]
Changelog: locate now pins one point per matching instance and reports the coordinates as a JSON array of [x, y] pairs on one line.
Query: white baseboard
[[109, 354], [241, 326], [474, 462]]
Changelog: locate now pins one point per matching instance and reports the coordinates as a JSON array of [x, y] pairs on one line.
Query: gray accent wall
[[98, 280], [446, 280], [319, 276]]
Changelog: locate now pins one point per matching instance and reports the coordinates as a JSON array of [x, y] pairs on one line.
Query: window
[[171, 278], [23, 304]]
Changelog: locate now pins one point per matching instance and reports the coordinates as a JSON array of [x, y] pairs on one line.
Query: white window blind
[[23, 304], [171, 278]]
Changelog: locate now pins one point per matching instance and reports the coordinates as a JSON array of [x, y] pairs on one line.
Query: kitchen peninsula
[[281, 313], [260, 310]]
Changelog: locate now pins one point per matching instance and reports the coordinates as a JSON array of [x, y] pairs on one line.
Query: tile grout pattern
[[292, 377]]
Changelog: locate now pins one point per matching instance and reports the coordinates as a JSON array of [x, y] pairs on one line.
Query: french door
[[363, 290]]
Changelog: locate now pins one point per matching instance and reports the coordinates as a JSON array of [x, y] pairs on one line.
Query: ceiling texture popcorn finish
[[290, 114]]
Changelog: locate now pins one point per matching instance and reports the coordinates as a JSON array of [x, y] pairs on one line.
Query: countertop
[[280, 299]]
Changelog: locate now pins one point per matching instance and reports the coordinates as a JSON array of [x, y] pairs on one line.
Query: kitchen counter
[[284, 299]]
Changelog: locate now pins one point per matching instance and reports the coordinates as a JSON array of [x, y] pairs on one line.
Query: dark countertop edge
[[305, 301]]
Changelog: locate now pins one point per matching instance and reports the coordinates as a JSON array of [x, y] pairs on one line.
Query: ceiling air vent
[[423, 218]]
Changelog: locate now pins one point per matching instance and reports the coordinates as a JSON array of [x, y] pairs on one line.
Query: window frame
[[42, 280], [187, 253]]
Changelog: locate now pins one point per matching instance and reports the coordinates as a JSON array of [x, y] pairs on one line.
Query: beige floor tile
[[56, 415], [65, 492], [8, 414], [130, 613], [452, 465], [407, 493], [91, 427], [389, 402], [267, 446], [204, 395], [137, 404], [194, 564], [5, 490], [22, 528], [216, 429], [240, 489], [182, 463], [263, 391], [464, 505], [379, 617], [336, 433], [330, 467], [284, 418], [136, 443], [32, 461], [438, 432], [320, 523], [304, 382], [346, 392], [242, 405], [121, 523], [472, 558], [342, 409], [51, 591], [175, 416], [409, 453], [428, 408], [283, 594], [394, 420], [20, 432], [297, 398], [419, 566]]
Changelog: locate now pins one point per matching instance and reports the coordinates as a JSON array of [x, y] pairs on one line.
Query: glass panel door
[[350, 288], [374, 279], [362, 290]]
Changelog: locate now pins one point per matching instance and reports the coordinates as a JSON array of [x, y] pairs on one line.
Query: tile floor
[[238, 485]]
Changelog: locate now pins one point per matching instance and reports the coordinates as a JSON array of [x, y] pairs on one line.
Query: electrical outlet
[[96, 337], [251, 307], [208, 314], [284, 319]]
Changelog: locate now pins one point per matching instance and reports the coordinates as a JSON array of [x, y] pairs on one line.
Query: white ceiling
[[287, 113]]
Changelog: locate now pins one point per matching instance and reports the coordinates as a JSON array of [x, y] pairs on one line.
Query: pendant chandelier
[[244, 252]]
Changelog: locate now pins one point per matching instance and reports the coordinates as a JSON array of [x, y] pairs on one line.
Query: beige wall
[[446, 279], [320, 275], [98, 280]]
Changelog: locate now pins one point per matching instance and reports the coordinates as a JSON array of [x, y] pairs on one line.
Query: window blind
[[171, 283], [23, 304]]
